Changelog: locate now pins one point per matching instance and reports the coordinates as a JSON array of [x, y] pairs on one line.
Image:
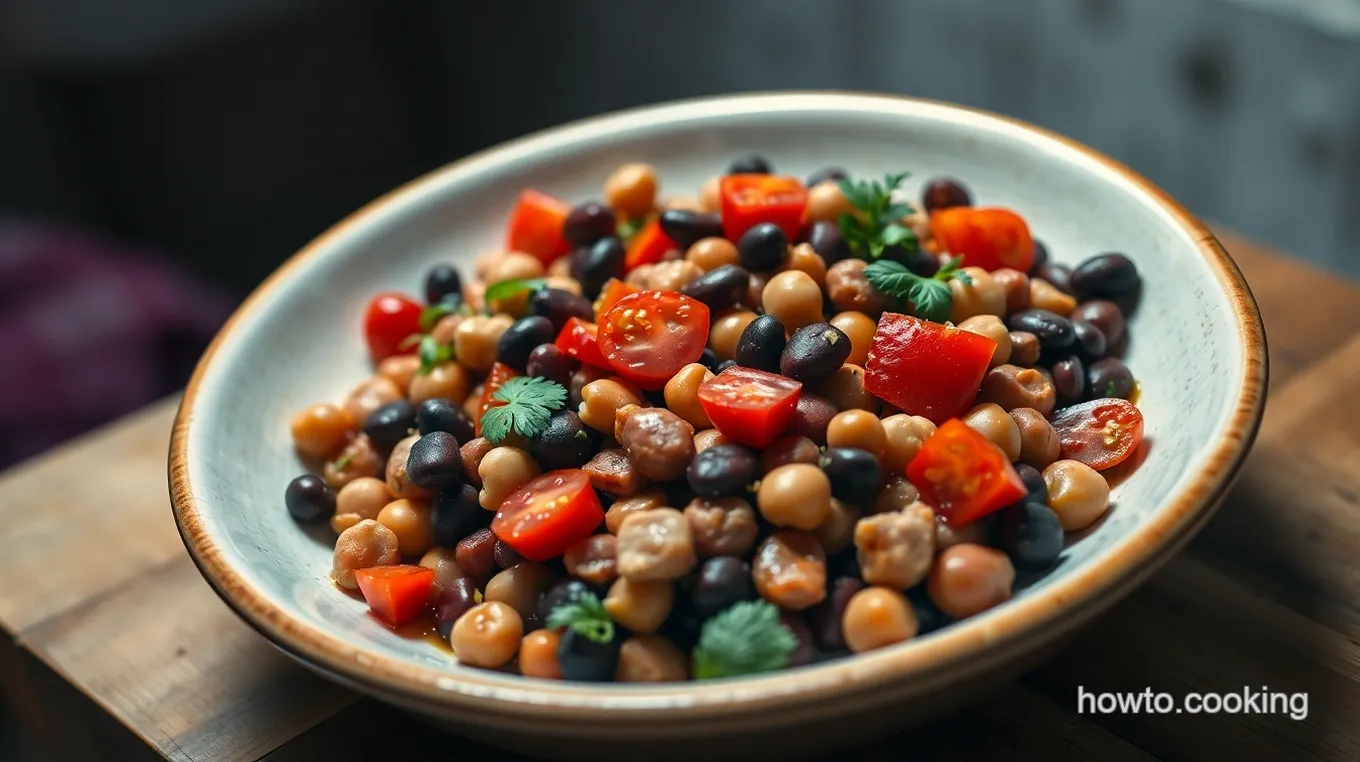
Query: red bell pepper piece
[[748, 200], [396, 594], [749, 406], [926, 368], [536, 226], [963, 475], [648, 246], [986, 238], [579, 339]]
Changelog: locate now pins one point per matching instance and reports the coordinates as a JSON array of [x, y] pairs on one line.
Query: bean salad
[[779, 422]]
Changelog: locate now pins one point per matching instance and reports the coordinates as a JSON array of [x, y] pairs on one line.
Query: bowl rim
[[913, 667]]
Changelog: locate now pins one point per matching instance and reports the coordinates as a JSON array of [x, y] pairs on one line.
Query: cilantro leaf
[[436, 312], [432, 353], [927, 298], [585, 615], [932, 300], [950, 271], [743, 640], [877, 223], [529, 404], [1111, 390], [513, 287]]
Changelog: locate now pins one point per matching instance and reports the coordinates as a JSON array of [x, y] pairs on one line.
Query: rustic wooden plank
[[167, 658]]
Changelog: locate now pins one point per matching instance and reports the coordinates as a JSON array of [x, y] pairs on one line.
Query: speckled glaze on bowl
[[1198, 348]]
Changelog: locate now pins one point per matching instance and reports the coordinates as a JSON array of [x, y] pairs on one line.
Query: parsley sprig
[[743, 640], [432, 353], [529, 404], [585, 615], [506, 289], [928, 298], [878, 225]]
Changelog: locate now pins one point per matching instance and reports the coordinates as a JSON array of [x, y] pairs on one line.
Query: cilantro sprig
[[506, 289], [431, 354], [743, 640], [584, 615], [432, 314], [878, 225], [529, 404], [928, 298]]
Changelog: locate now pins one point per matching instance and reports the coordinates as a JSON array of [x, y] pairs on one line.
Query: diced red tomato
[[749, 406], [648, 246], [986, 238], [748, 200], [396, 594], [963, 475], [549, 514], [495, 379], [649, 336], [925, 368], [614, 290], [1101, 433], [536, 226], [579, 339], [389, 320]]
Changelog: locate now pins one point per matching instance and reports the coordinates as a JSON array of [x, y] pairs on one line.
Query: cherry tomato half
[[748, 200], [535, 226], [963, 475], [1101, 433], [395, 594], [579, 339], [925, 368], [389, 320], [749, 406], [986, 238], [495, 379], [549, 514], [614, 290], [648, 246], [649, 336]]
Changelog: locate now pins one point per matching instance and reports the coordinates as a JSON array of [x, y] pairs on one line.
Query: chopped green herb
[[343, 461], [529, 403], [432, 353], [585, 615], [878, 225], [926, 297], [951, 271], [513, 287], [1110, 390], [436, 312], [743, 640], [627, 228]]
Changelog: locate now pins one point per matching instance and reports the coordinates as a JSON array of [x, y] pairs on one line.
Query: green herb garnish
[[626, 228], [1110, 389], [342, 461], [513, 287], [929, 298], [432, 353], [436, 312], [881, 224], [529, 403], [743, 640], [585, 615]]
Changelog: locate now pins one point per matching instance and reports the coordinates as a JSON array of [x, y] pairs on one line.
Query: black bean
[[929, 618], [1109, 377], [442, 415], [1069, 379], [721, 582], [435, 460], [453, 601], [812, 416], [762, 247], [826, 173], [797, 626], [720, 287], [456, 514], [724, 365], [854, 473], [943, 193], [309, 499], [1053, 330], [722, 470], [1035, 486], [559, 305], [709, 359], [762, 344], [390, 424], [1030, 534], [588, 223], [1091, 344], [1041, 256], [826, 616], [683, 626], [814, 352], [1105, 315], [1106, 275], [442, 282], [685, 227], [565, 443], [521, 338], [599, 262], [826, 240], [505, 555], [585, 660], [750, 164], [1059, 275], [562, 592], [547, 361]]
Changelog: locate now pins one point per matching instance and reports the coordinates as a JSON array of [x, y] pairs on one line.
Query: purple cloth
[[89, 332]]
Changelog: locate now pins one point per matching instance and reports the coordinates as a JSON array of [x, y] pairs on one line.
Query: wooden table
[[109, 618]]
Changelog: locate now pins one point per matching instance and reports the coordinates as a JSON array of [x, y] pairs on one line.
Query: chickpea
[[797, 495], [558, 268], [789, 570], [397, 482], [594, 559], [947, 536], [650, 659], [655, 545], [1077, 493], [968, 579], [989, 420], [601, 400], [860, 328], [369, 396], [520, 586], [1024, 348], [845, 389], [400, 369], [793, 297], [631, 190], [512, 265], [896, 549], [487, 635], [475, 342], [1046, 296], [682, 394], [473, 451], [826, 202], [849, 289], [897, 494], [664, 276], [708, 438], [409, 520], [1011, 387], [984, 296], [444, 331], [724, 526], [682, 203], [903, 436], [640, 605], [447, 380], [538, 655], [504, 470], [755, 287], [991, 327], [710, 194], [474, 295], [563, 281], [712, 253], [1039, 443], [857, 428], [444, 561], [804, 258], [358, 459], [360, 499], [472, 406], [876, 617], [645, 500], [1016, 286], [726, 331], [838, 530], [342, 521], [788, 449], [363, 546]]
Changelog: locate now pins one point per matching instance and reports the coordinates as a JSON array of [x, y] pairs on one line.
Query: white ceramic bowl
[[1197, 347]]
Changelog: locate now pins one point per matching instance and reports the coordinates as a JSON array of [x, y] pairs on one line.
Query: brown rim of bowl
[[968, 647]]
